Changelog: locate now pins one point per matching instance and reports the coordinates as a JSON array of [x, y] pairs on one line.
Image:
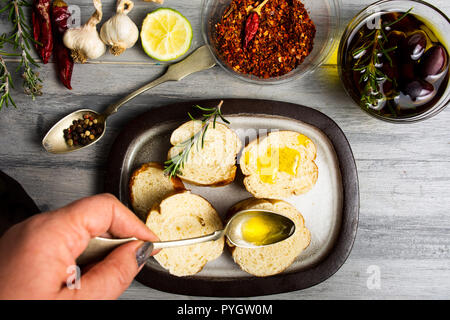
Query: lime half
[[166, 34]]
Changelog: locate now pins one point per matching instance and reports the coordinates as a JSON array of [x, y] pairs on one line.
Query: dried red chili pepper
[[251, 28], [64, 62], [42, 29], [252, 23]]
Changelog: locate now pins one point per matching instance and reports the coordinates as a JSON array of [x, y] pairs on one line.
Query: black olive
[[414, 46], [418, 88], [434, 61]]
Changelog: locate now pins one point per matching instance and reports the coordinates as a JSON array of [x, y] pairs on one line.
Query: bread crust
[[222, 183], [177, 184]]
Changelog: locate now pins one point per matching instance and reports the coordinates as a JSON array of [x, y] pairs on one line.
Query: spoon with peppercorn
[[85, 127]]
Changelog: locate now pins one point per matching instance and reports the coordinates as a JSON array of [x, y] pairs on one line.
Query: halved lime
[[166, 34]]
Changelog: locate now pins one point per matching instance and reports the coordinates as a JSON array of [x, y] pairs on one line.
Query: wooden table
[[404, 170]]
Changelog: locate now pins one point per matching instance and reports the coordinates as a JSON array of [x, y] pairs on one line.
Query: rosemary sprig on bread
[[175, 164]]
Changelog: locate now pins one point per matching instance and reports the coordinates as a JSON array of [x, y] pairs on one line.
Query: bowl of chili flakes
[[286, 40]]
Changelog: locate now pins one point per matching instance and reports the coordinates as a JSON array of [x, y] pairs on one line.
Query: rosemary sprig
[[369, 64], [21, 39], [174, 165], [6, 83]]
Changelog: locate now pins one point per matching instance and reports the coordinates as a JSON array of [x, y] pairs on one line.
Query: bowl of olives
[[394, 60]]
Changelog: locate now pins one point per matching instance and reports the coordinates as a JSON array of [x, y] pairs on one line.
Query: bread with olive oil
[[279, 165], [211, 163], [149, 185], [275, 258], [181, 216]]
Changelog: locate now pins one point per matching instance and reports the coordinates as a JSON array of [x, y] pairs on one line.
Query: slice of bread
[[279, 165], [181, 216], [149, 185], [275, 258], [214, 163]]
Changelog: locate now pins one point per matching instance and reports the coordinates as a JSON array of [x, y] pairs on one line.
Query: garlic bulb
[[84, 41], [120, 32]]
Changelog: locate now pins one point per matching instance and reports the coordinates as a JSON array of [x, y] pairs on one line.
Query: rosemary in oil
[[368, 61]]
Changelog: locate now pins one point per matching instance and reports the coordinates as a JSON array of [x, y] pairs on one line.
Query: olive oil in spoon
[[253, 228]]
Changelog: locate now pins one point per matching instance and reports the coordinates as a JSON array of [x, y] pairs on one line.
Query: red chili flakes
[[285, 37]]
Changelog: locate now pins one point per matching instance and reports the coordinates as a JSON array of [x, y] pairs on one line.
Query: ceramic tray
[[330, 209]]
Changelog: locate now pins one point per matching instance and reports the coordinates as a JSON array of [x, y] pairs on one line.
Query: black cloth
[[15, 204]]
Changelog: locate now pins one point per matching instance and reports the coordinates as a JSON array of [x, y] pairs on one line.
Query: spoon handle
[[200, 59], [98, 247], [186, 242], [113, 108]]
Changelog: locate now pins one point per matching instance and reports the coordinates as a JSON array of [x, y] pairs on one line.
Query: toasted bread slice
[[210, 164], [181, 216], [149, 185], [279, 165], [275, 258]]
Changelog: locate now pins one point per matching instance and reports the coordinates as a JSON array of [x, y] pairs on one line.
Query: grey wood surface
[[404, 170]]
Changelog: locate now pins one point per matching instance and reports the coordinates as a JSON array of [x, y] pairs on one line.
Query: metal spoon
[[100, 247], [54, 142]]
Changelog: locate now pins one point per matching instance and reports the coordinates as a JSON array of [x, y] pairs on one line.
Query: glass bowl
[[325, 15], [433, 17]]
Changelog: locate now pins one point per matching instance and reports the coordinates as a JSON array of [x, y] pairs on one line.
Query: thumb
[[109, 278]]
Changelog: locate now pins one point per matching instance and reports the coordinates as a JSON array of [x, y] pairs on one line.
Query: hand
[[36, 254]]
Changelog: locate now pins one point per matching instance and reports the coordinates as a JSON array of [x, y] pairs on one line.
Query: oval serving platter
[[330, 209]]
